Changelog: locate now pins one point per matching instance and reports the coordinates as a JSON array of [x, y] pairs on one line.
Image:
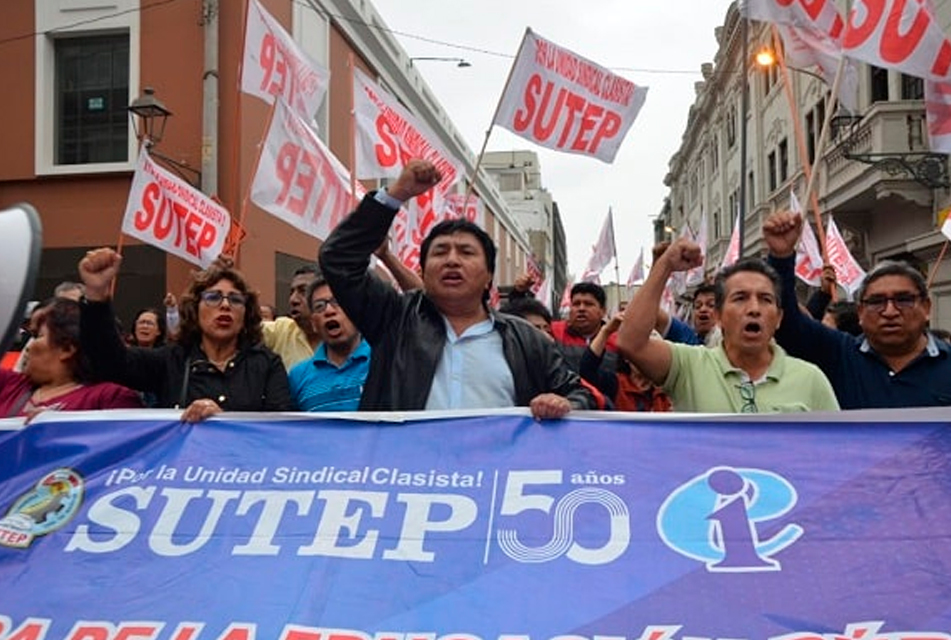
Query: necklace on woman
[[41, 394]]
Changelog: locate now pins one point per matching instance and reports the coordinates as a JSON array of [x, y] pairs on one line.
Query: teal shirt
[[319, 385], [702, 379]]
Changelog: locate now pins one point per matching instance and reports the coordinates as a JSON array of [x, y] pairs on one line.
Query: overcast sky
[[656, 43]]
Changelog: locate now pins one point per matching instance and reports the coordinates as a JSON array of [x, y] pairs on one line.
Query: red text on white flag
[[274, 65], [562, 101], [168, 213]]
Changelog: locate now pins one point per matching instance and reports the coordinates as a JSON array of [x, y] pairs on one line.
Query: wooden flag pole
[[495, 115], [807, 167], [247, 191]]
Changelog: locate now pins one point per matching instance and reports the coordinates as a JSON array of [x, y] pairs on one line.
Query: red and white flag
[[602, 252], [637, 271], [564, 306], [535, 272], [389, 136], [938, 115], [816, 14], [808, 254], [298, 179], [901, 35], [166, 212], [848, 273], [561, 101], [733, 249], [696, 275], [472, 209], [275, 66], [544, 293], [807, 47]]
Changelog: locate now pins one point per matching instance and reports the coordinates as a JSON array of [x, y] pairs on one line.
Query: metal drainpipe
[[210, 104]]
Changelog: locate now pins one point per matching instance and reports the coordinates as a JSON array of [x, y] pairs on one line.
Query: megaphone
[[21, 243]]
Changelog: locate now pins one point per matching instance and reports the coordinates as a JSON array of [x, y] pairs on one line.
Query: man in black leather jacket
[[441, 347]]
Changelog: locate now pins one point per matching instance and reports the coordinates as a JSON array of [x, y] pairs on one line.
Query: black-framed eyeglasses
[[320, 304], [902, 302], [214, 298], [748, 395]]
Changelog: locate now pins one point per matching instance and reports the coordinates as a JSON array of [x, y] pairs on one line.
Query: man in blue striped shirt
[[333, 379]]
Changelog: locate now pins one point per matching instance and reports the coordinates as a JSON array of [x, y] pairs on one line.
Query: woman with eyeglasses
[[218, 362], [148, 329]]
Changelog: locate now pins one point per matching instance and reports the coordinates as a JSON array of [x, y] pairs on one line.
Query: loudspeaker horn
[[21, 243]]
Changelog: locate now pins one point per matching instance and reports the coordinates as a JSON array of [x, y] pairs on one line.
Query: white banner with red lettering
[[388, 136], [938, 115], [806, 47], [534, 270], [274, 65], [166, 212], [471, 208], [298, 179], [848, 273], [898, 34], [808, 254], [821, 15], [733, 249], [561, 101]]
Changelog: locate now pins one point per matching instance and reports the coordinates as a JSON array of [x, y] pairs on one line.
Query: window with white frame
[[91, 124], [87, 73]]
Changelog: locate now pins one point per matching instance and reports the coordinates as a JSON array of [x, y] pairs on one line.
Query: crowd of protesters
[[354, 340]]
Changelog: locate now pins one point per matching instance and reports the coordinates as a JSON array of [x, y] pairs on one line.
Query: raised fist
[[98, 269]]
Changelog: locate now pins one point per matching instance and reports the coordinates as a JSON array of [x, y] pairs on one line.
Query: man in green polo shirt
[[748, 372]]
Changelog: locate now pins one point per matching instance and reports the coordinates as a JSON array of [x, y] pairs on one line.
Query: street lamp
[[460, 62], [149, 116]]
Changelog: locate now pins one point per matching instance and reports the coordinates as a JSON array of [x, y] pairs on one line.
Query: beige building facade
[[877, 176]]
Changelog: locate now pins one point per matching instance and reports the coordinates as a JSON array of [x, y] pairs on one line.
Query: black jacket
[[407, 333], [255, 380]]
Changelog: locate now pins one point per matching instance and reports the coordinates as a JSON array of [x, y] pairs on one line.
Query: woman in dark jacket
[[217, 364]]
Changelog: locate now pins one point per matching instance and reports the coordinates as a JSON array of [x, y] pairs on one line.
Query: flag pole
[[495, 115], [824, 135], [617, 271], [247, 191], [353, 130], [807, 167], [937, 263]]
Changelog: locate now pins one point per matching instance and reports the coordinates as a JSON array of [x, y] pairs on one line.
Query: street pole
[[744, 107]]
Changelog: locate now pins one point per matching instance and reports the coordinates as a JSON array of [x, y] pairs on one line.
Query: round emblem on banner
[[43, 509]]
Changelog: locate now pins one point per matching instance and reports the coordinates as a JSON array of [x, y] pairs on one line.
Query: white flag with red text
[[806, 47], [389, 136], [899, 34], [733, 249], [561, 101], [602, 252], [808, 254], [938, 115], [696, 276], [166, 212], [275, 66], [564, 306], [471, 208], [821, 15], [298, 179], [848, 273], [534, 270], [637, 271]]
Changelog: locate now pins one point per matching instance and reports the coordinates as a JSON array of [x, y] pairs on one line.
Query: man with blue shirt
[[441, 347], [896, 362], [332, 380]]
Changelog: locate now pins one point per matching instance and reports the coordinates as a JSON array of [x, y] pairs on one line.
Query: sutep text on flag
[[298, 179], [274, 65], [564, 102], [166, 212]]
